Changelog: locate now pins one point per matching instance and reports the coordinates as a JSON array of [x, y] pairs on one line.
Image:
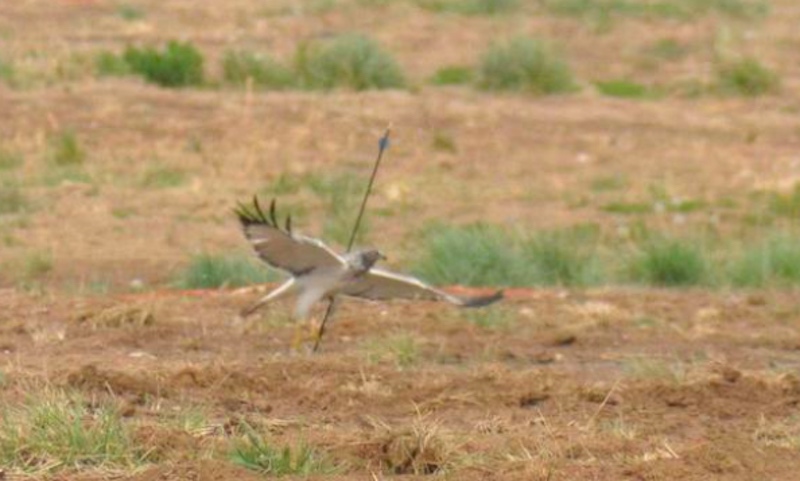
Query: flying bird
[[317, 272]]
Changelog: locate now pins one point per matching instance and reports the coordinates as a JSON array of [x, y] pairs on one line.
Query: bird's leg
[[279, 291]]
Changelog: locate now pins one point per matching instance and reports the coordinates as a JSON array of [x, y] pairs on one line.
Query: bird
[[317, 272]]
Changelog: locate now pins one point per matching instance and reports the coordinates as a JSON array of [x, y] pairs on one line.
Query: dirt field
[[602, 384]]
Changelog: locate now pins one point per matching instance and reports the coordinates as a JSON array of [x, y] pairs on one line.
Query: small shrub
[[179, 65], [351, 61], [624, 89], [452, 75], [111, 64], [525, 64], [65, 150], [670, 262], [207, 271], [255, 453], [241, 66], [746, 76], [772, 262]]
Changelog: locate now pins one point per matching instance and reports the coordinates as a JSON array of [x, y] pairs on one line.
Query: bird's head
[[368, 258]]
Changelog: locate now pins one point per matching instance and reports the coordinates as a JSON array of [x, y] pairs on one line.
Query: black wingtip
[[482, 301]]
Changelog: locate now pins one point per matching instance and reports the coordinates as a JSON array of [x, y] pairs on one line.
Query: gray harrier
[[320, 273]]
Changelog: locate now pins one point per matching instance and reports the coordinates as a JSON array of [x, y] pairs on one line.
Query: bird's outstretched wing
[[378, 284], [280, 247]]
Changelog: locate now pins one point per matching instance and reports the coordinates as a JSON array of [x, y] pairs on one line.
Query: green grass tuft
[[55, 430], [471, 7], [163, 178], [110, 64], [66, 150], [180, 64], [207, 271], [7, 73], [129, 12], [747, 77], [527, 65], [564, 258], [774, 261], [786, 204], [12, 200], [473, 255], [453, 75], [625, 89], [670, 262], [349, 61], [241, 66], [253, 452], [602, 11]]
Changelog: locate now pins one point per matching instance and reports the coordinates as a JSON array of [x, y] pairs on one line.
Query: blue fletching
[[384, 142]]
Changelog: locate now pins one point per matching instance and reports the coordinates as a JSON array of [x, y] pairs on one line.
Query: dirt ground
[[601, 384]]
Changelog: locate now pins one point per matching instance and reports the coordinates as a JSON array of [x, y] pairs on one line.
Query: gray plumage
[[319, 273]]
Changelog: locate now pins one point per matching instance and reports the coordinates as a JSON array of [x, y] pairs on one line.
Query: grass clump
[[400, 349], [453, 75], [255, 453], [774, 261], [471, 7], [563, 258], [350, 61], [12, 200], [66, 150], [602, 11], [163, 178], [180, 64], [625, 89], [209, 271], [110, 64], [670, 262], [747, 77], [473, 255], [129, 12], [240, 67], [55, 430], [786, 204], [7, 72], [525, 64]]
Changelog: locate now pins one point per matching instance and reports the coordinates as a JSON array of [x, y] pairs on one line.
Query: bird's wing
[[281, 248], [378, 284]]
